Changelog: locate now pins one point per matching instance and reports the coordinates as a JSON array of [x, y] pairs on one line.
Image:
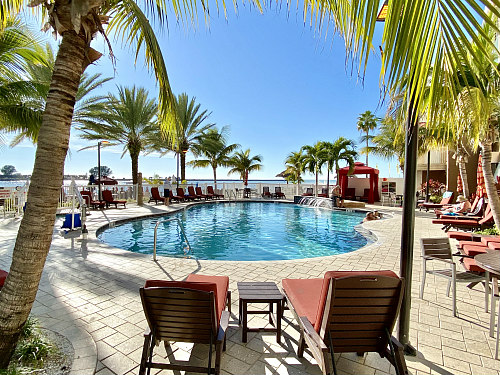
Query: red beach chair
[[107, 195]]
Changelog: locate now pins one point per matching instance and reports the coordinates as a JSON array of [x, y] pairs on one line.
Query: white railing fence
[[12, 199]]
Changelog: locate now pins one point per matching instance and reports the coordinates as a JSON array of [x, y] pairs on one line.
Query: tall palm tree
[[341, 149], [314, 158], [294, 163], [242, 163], [215, 150], [128, 119], [78, 22], [366, 123], [190, 125]]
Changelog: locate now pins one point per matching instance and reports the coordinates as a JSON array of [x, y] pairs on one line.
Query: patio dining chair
[[347, 311], [265, 192], [439, 249], [192, 311], [278, 193]]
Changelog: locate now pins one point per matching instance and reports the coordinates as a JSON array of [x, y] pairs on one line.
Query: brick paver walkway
[[94, 286]]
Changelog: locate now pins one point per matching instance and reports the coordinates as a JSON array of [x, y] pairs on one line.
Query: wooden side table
[[260, 292]]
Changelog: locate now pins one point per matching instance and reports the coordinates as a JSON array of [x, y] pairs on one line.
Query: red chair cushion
[[222, 283], [494, 245], [473, 250], [458, 222], [218, 286], [470, 264], [337, 275], [461, 244], [304, 295], [3, 276], [461, 236], [486, 240]]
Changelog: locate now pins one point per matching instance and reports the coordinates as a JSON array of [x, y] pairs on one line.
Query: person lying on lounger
[[461, 208]]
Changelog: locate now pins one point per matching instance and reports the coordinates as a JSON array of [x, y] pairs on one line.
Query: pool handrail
[[180, 226]]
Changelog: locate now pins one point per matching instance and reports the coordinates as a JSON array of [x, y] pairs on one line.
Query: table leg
[[271, 311], [279, 314], [244, 320], [239, 312]]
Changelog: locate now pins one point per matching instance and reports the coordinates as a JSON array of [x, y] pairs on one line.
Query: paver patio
[[88, 286]]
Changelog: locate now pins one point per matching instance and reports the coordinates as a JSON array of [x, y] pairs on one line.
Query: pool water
[[244, 231]]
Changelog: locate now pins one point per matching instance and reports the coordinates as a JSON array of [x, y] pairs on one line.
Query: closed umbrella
[[481, 187]]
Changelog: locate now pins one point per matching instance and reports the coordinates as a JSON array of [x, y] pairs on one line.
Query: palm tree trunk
[[36, 229], [215, 177], [183, 166], [328, 180], [489, 180], [367, 148], [463, 175], [135, 165], [316, 186]]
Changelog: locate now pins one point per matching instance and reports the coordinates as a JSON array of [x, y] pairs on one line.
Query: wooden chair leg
[[399, 358], [229, 301], [302, 345], [218, 355], [145, 353]]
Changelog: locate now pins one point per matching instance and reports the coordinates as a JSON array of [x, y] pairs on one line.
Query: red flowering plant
[[436, 190]]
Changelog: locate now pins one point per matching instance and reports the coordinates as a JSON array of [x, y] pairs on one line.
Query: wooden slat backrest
[[265, 189], [436, 247], [179, 314], [191, 191], [155, 193], [358, 311], [180, 192]]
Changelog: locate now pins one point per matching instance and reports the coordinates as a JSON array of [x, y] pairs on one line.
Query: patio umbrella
[[481, 187], [105, 180], [460, 187], [283, 174]]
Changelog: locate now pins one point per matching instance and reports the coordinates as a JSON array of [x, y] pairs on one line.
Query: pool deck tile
[[89, 292]]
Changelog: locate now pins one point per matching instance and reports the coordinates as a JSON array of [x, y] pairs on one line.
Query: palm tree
[[341, 149], [22, 114], [19, 49], [189, 128], [366, 123], [128, 119], [213, 146], [243, 164], [294, 163], [78, 22], [314, 158]]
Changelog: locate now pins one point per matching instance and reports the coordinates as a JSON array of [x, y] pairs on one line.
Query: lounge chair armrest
[[224, 323], [310, 331], [429, 257]]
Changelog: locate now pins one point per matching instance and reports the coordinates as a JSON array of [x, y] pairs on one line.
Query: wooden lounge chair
[[439, 249], [324, 193], [347, 311], [175, 197], [366, 194], [447, 197], [467, 223], [199, 193], [265, 192], [193, 194], [277, 192], [89, 201], [190, 311], [155, 196], [180, 193], [210, 192], [350, 194], [107, 196], [308, 193]]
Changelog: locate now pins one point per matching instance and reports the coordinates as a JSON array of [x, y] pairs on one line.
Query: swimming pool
[[244, 231]]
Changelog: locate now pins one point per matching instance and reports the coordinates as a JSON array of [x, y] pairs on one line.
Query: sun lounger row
[[181, 197], [345, 311]]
